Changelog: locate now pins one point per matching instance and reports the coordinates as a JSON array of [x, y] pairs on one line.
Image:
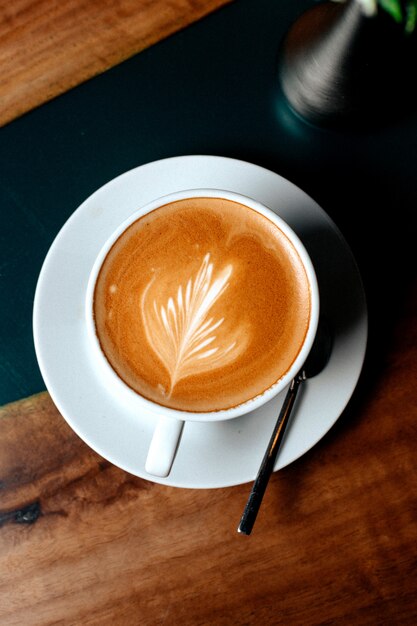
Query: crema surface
[[202, 304]]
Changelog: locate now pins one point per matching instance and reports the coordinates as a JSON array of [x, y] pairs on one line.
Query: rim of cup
[[122, 390]]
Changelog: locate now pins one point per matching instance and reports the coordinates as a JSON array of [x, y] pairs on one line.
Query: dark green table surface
[[210, 89]]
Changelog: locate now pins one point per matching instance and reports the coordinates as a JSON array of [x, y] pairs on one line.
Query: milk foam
[[182, 333], [202, 304]]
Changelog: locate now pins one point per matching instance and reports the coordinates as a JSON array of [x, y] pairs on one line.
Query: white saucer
[[216, 454]]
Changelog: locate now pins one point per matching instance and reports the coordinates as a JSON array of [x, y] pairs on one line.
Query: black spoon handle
[[259, 486]]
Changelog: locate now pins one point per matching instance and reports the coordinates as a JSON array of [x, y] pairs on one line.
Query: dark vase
[[340, 66]]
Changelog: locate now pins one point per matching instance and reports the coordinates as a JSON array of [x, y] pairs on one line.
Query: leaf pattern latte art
[[182, 332]]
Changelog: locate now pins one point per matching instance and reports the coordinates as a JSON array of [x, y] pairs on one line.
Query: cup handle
[[164, 444]]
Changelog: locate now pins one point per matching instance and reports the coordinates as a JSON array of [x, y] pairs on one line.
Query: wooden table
[[83, 542]]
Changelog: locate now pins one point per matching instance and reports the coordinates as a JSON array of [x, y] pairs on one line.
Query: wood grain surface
[[82, 542], [48, 47]]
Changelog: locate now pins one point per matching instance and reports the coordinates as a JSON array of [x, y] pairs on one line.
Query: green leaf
[[402, 11], [410, 16], [394, 8]]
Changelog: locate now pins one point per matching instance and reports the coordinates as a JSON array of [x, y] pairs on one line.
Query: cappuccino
[[202, 304]]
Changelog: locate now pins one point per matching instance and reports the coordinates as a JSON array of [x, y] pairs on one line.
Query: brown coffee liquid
[[202, 304]]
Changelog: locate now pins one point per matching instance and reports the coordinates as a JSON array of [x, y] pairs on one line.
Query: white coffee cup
[[169, 421]]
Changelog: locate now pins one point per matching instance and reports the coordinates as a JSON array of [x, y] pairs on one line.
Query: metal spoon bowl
[[315, 363]]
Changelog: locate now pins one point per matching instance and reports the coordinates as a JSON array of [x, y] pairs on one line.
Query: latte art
[[202, 304], [182, 333]]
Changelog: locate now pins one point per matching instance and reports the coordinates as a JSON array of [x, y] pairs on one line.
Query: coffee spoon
[[315, 363]]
